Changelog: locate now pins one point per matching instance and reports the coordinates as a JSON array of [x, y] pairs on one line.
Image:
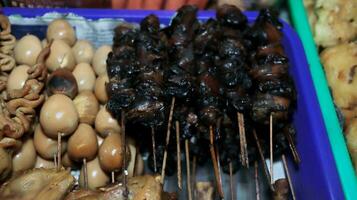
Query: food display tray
[[334, 130], [316, 177]]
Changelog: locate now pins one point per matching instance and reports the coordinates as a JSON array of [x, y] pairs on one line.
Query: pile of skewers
[[222, 86]]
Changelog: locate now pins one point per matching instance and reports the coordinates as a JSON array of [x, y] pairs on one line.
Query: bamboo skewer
[[286, 169], [189, 187], [167, 140], [112, 174], [153, 148], [59, 151], [292, 147], [193, 179], [85, 172], [256, 178], [261, 155], [231, 184], [124, 172], [215, 164], [55, 160], [219, 166], [179, 172], [271, 149], [243, 141]]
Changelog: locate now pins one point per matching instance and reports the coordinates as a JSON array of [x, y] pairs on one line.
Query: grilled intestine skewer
[[232, 68], [178, 77], [272, 94], [209, 103], [122, 68], [135, 71]]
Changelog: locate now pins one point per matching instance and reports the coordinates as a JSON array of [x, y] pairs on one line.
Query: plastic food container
[[339, 148], [316, 177]]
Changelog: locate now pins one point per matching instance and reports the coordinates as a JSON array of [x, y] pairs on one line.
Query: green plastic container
[[338, 145]]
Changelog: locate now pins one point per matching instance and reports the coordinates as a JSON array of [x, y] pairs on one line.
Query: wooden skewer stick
[[219, 121], [153, 148], [59, 151], [187, 151], [167, 140], [271, 149], [85, 172], [292, 147], [112, 176], [55, 160], [231, 181], [124, 172], [218, 165], [261, 155], [178, 147], [243, 141], [215, 164], [256, 177], [286, 169], [193, 179]]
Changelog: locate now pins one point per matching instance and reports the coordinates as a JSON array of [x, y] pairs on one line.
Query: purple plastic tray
[[316, 177]]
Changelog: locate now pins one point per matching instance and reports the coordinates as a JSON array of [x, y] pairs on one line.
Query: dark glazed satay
[[122, 68], [210, 106], [179, 76], [232, 68], [274, 93]]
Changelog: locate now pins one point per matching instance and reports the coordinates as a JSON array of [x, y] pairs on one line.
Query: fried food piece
[[310, 11], [351, 137], [336, 22], [340, 63], [205, 190], [140, 188], [39, 184]]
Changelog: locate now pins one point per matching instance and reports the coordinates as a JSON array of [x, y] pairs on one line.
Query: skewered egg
[[83, 143], [85, 77], [83, 51], [17, 78], [99, 61], [100, 90], [105, 123], [96, 176], [61, 56], [27, 50], [87, 107], [58, 116], [111, 153], [46, 147], [62, 81], [62, 30]]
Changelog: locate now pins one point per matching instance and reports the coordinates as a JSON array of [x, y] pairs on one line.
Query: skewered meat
[[266, 29], [205, 191], [18, 111], [282, 190], [214, 70], [39, 184], [264, 104]]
